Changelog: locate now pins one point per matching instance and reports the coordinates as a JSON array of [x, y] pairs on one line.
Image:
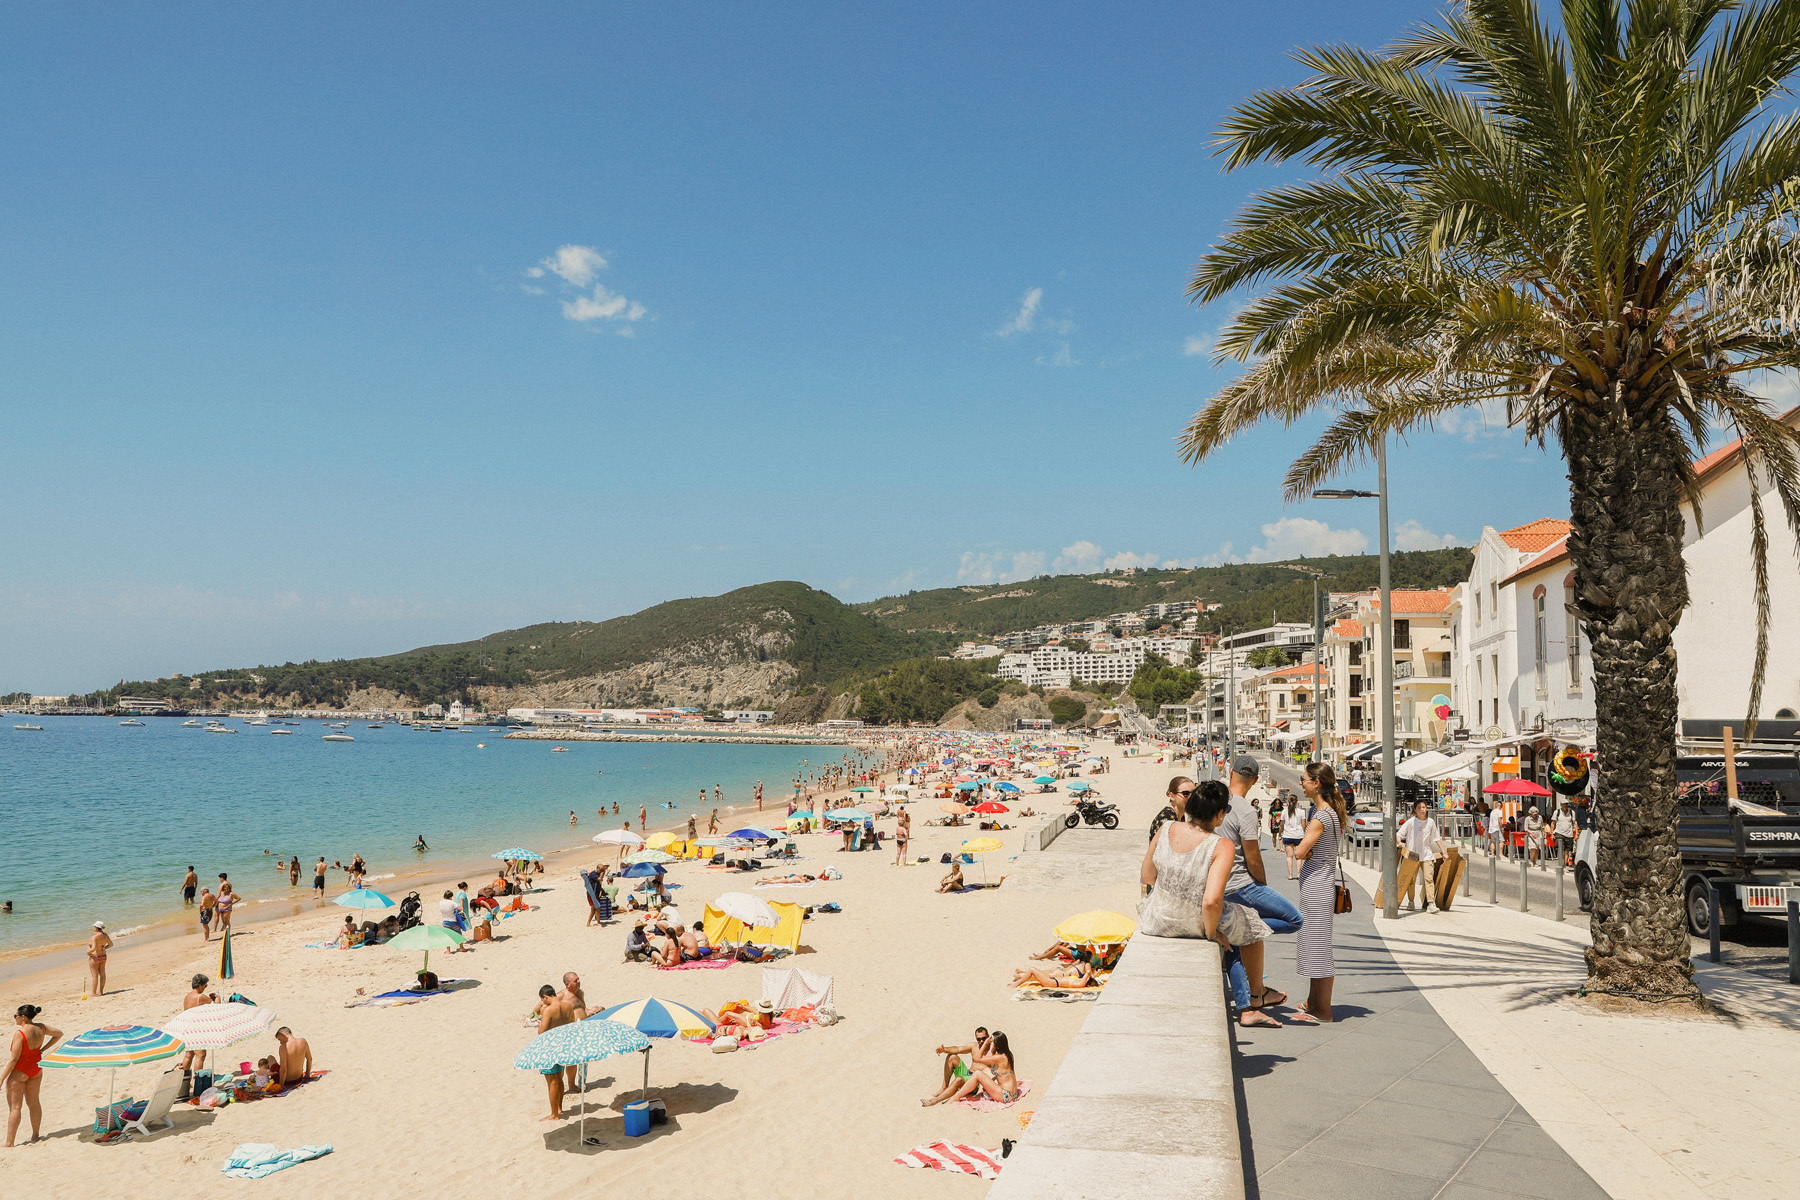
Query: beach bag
[[946, 858], [1340, 902], [724, 1045], [109, 1117]]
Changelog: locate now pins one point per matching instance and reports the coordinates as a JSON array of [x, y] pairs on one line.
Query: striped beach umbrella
[[224, 971], [112, 1047], [216, 1026], [755, 833], [657, 1018], [649, 856], [579, 1043]]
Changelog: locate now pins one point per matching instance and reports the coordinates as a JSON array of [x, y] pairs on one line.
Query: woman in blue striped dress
[[1318, 851]]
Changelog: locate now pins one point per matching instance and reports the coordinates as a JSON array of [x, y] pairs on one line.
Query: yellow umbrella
[[1097, 928], [982, 846], [658, 841]]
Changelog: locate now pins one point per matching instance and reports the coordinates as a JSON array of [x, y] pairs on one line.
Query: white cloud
[[1485, 420], [1026, 317], [576, 264], [1303, 537], [1197, 344], [578, 267], [1082, 558], [1062, 358], [602, 306], [1413, 536], [1125, 559], [999, 566]]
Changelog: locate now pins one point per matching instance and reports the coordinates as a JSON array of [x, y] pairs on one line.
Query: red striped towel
[[954, 1156]]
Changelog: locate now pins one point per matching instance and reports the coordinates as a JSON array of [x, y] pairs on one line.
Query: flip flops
[[1301, 1017]]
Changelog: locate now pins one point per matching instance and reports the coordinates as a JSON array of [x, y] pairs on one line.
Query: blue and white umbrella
[[112, 1047], [755, 833], [849, 814], [641, 870], [578, 1044], [655, 1018], [1007, 787], [518, 854], [364, 898]]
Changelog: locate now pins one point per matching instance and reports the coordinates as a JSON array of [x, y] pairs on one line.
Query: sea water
[[102, 820]]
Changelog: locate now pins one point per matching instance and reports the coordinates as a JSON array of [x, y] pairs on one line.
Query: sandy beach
[[427, 1095]]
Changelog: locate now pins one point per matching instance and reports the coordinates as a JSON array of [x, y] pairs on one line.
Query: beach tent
[[791, 987], [661, 841], [784, 933]]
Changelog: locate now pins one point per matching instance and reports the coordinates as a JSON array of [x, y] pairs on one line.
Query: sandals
[[1263, 1001], [1301, 1017], [1252, 1018]]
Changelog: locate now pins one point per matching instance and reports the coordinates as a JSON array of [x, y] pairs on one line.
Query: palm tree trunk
[[1631, 587]]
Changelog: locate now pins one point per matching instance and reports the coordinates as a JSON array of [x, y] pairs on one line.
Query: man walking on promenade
[[1248, 884]]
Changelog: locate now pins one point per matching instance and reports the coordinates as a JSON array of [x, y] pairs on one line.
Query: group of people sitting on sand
[[988, 1068], [1069, 966]]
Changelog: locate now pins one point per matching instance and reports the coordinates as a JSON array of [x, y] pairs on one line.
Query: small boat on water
[[39, 728], [132, 722], [215, 727], [256, 721], [559, 749], [371, 727], [281, 733], [337, 737], [190, 723]]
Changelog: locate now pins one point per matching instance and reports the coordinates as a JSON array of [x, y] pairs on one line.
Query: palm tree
[[1594, 227]]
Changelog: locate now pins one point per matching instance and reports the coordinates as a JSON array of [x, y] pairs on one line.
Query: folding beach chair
[[161, 1100]]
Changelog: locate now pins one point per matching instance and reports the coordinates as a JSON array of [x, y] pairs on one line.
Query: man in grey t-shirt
[[1248, 884]]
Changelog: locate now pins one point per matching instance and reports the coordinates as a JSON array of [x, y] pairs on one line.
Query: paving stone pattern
[[1386, 1103]]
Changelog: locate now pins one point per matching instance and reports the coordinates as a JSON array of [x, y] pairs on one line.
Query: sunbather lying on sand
[[795, 877], [1076, 975]]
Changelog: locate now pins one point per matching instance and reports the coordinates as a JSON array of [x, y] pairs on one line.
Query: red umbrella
[[1515, 787], [990, 806]]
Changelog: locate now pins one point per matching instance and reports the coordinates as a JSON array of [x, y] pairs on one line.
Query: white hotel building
[[1059, 666]]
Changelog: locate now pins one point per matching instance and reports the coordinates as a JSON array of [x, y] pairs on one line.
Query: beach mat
[[701, 964], [777, 1029], [981, 1102], [953, 1156], [409, 995], [297, 1084]]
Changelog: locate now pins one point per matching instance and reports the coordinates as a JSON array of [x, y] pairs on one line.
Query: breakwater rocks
[[664, 735]]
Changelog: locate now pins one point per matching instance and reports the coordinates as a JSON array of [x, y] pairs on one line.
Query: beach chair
[[161, 1100]]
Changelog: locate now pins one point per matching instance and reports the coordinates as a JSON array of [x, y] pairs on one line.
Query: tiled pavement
[[1386, 1103]]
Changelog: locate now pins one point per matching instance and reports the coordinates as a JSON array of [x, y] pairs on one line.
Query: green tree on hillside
[[1157, 683]]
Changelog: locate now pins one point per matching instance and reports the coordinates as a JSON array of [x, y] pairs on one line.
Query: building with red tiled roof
[[1533, 536]]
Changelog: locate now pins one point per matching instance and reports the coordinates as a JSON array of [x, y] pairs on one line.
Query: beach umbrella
[[364, 898], [658, 841], [649, 856], [849, 814], [1007, 787], [801, 814], [1100, 927], [577, 1044], [224, 971], [426, 938], [982, 846], [654, 1018], [112, 1047], [968, 786], [618, 837], [729, 843], [642, 870], [751, 910], [517, 854], [1079, 786], [755, 833], [216, 1026], [951, 808], [1045, 779], [990, 806]]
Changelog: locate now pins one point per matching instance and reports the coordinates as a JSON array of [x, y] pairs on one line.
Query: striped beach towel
[[954, 1156]]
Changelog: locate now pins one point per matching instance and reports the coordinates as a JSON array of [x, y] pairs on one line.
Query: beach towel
[[410, 995], [953, 1156], [253, 1160], [761, 883], [297, 1083], [777, 1028], [980, 1101], [701, 964]]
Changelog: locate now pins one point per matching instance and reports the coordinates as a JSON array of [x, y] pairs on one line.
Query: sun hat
[[765, 1006], [99, 924]]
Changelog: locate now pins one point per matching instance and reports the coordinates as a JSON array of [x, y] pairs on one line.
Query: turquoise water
[[102, 820]]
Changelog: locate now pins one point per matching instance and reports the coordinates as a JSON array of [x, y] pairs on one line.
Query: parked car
[[1365, 827]]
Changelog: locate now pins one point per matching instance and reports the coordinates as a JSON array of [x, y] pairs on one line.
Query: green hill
[[1250, 593], [817, 634]]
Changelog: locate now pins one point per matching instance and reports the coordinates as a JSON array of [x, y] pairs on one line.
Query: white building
[[749, 716], [1715, 643], [1059, 666], [974, 650]]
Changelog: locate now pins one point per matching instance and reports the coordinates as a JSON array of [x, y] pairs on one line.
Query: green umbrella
[[427, 938]]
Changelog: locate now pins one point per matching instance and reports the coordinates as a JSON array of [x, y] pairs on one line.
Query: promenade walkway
[[1387, 1103]]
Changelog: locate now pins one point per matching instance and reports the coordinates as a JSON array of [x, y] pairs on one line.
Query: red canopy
[[1515, 787], [990, 806]]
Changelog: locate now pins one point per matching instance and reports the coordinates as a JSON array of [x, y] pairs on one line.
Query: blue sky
[[338, 330]]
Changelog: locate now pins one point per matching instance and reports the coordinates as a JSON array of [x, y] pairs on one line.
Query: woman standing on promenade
[[1318, 850], [24, 1077]]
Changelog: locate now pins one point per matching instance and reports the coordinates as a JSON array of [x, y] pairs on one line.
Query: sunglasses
[[1184, 791]]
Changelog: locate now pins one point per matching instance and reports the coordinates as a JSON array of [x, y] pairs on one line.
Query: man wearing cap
[[1248, 884]]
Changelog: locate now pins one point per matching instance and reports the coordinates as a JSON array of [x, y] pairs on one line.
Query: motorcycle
[[1094, 812]]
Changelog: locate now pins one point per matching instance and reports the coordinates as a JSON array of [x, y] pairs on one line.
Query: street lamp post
[[1389, 882]]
